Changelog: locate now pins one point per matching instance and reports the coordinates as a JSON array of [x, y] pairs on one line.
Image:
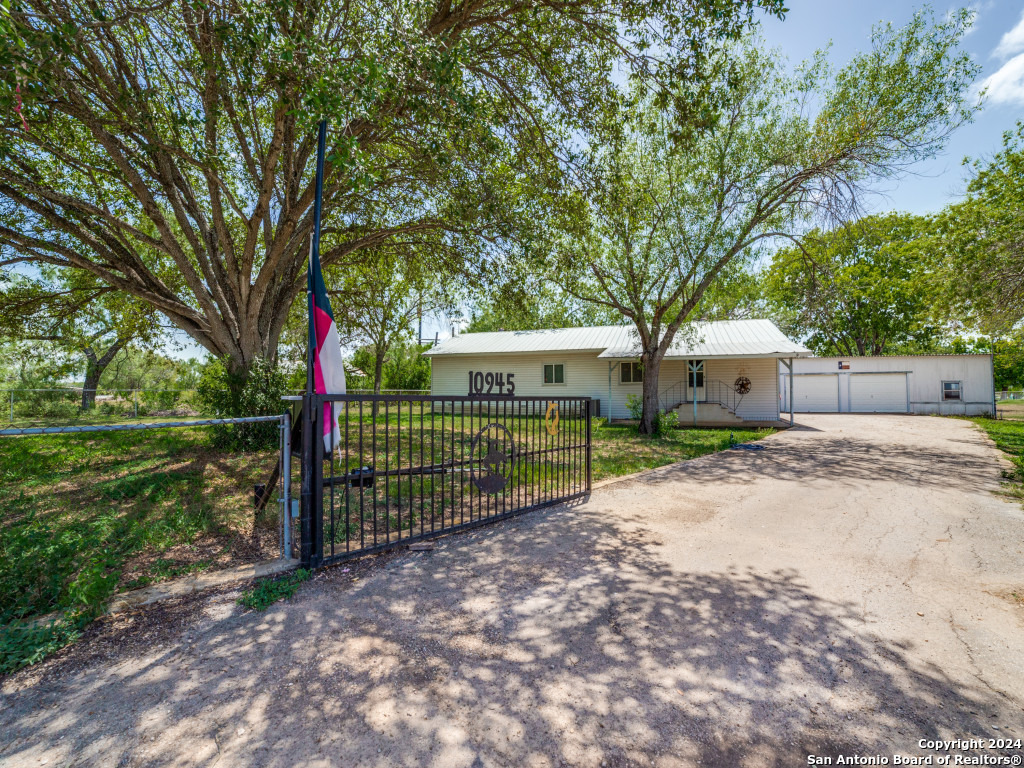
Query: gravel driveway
[[849, 589]]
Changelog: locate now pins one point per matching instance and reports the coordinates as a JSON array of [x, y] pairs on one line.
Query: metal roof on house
[[725, 338]]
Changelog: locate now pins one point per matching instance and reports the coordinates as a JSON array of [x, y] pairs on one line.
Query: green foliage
[[981, 240], [635, 406], [87, 515], [666, 214], [1008, 435], [525, 305], [266, 592], [619, 451], [404, 367], [256, 392], [1008, 362], [170, 146], [864, 288], [25, 643], [665, 422]]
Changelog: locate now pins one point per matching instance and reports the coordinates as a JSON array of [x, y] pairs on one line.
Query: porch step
[[707, 413]]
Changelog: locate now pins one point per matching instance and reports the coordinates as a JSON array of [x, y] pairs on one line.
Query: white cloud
[[1011, 42], [1006, 85]]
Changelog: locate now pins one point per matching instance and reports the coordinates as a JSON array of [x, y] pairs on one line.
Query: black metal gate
[[409, 467]]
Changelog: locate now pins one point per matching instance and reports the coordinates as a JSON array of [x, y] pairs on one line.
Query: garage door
[[878, 393], [815, 393]]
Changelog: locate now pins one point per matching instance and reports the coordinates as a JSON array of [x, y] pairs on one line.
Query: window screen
[[951, 390], [554, 373], [631, 373]]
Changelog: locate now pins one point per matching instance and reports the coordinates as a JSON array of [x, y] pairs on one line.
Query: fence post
[[12, 406], [590, 474], [306, 496], [286, 483], [135, 399]]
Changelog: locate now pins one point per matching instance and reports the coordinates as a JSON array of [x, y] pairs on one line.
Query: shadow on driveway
[[558, 638]]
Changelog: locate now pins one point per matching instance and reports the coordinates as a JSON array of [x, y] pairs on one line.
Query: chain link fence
[[74, 404], [70, 405]]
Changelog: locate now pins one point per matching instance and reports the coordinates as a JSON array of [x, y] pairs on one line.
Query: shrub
[[227, 394], [665, 422], [635, 406], [266, 592], [23, 643]]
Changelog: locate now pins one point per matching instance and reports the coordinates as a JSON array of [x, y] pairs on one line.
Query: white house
[[721, 373], [940, 384]]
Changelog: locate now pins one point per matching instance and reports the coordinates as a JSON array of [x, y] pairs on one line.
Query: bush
[[635, 406], [23, 643], [226, 394], [266, 592], [665, 422]]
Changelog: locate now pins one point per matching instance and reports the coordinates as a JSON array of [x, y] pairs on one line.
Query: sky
[[996, 42]]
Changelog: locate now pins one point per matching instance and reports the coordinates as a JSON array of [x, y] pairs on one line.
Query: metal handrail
[[715, 391]]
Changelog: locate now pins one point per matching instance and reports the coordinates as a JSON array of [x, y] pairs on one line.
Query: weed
[[266, 592], [23, 642]]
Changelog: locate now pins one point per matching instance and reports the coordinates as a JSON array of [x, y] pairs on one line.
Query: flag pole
[[310, 554]]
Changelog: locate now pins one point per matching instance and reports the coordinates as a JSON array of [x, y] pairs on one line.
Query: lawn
[[1008, 435], [1011, 409], [618, 450], [85, 516]]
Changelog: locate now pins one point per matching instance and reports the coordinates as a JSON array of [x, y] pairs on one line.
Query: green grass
[[618, 450], [85, 516], [268, 591], [1008, 435]]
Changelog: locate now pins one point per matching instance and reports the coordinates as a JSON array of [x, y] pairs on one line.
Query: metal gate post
[[286, 484], [590, 443], [317, 496], [306, 497]]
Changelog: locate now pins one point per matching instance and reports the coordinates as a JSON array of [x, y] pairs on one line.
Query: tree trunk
[[94, 368], [379, 352], [378, 367], [92, 380], [651, 362]]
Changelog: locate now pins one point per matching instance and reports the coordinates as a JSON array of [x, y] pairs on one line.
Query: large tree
[[863, 288], [670, 212], [166, 148], [981, 239]]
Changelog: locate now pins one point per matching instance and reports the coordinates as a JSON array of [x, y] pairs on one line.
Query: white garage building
[[698, 377], [939, 384]]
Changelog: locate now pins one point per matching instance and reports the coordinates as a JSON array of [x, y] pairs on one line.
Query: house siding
[[925, 374], [586, 375]]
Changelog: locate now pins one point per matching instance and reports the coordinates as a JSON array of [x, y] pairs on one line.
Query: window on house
[[554, 373], [951, 390], [631, 373], [695, 377]]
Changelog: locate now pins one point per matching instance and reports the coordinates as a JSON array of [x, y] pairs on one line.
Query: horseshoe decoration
[[551, 418]]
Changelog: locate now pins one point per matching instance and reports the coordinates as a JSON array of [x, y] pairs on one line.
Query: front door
[[695, 381]]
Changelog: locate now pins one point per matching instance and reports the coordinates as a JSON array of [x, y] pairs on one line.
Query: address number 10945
[[489, 383]]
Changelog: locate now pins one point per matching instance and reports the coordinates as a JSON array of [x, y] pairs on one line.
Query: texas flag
[[328, 371]]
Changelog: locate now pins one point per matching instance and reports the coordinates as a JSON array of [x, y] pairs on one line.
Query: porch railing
[[715, 391]]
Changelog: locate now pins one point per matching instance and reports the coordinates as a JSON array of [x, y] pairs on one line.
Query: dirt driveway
[[846, 590]]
